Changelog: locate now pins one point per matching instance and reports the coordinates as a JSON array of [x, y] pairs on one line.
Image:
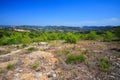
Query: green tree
[[26, 39], [117, 32], [4, 40], [108, 36], [71, 38], [92, 35]]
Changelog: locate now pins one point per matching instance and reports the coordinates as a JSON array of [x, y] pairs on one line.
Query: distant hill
[[60, 28]]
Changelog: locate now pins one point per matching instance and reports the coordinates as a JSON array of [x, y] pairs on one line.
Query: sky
[[60, 12]]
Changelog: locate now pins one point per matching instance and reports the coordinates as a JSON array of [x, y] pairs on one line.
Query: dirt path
[[14, 52]]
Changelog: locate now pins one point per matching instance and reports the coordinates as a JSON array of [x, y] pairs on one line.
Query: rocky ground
[[48, 61]]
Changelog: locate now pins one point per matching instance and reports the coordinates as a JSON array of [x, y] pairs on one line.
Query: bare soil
[[48, 62]]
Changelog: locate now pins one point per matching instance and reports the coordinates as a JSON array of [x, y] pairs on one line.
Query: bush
[[108, 36], [85, 52], [35, 66], [92, 36], [117, 32], [80, 58], [75, 59], [24, 45], [10, 66], [104, 64], [31, 48], [70, 38]]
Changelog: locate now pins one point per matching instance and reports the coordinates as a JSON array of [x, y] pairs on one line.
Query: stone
[[83, 49], [118, 59], [38, 74], [17, 74], [49, 74], [54, 75], [53, 60]]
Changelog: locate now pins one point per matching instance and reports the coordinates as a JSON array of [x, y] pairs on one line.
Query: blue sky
[[60, 12]]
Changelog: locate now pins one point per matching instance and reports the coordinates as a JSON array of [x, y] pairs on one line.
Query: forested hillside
[[8, 36]]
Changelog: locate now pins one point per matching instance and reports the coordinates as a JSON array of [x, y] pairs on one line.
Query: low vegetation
[[1, 70], [70, 38], [64, 51], [85, 52], [9, 37], [31, 48], [104, 64], [10, 66], [75, 58], [35, 66], [24, 45]]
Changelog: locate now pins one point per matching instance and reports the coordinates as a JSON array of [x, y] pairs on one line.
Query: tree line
[[8, 37]]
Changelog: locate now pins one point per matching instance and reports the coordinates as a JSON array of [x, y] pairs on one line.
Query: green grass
[[85, 52], [104, 65], [31, 48], [65, 51], [1, 70], [24, 45], [10, 66], [75, 58], [35, 66]]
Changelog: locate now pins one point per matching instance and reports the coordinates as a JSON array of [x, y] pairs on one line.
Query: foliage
[[108, 36], [35, 66], [31, 48], [26, 39], [117, 32], [24, 45], [65, 51], [15, 38], [104, 64], [70, 38], [75, 59], [10, 66], [4, 40], [8, 37], [92, 36], [85, 52]]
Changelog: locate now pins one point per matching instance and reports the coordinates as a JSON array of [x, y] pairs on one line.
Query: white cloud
[[112, 19], [107, 21], [103, 22]]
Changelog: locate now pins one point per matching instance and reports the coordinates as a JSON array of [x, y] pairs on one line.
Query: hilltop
[[39, 54]]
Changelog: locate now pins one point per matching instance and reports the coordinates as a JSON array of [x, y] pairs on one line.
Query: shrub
[[31, 48], [4, 40], [10, 66], [65, 51], [70, 38], [70, 59], [104, 64], [85, 52], [75, 59], [80, 58], [108, 36], [92, 36], [35, 66], [24, 45], [117, 32]]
